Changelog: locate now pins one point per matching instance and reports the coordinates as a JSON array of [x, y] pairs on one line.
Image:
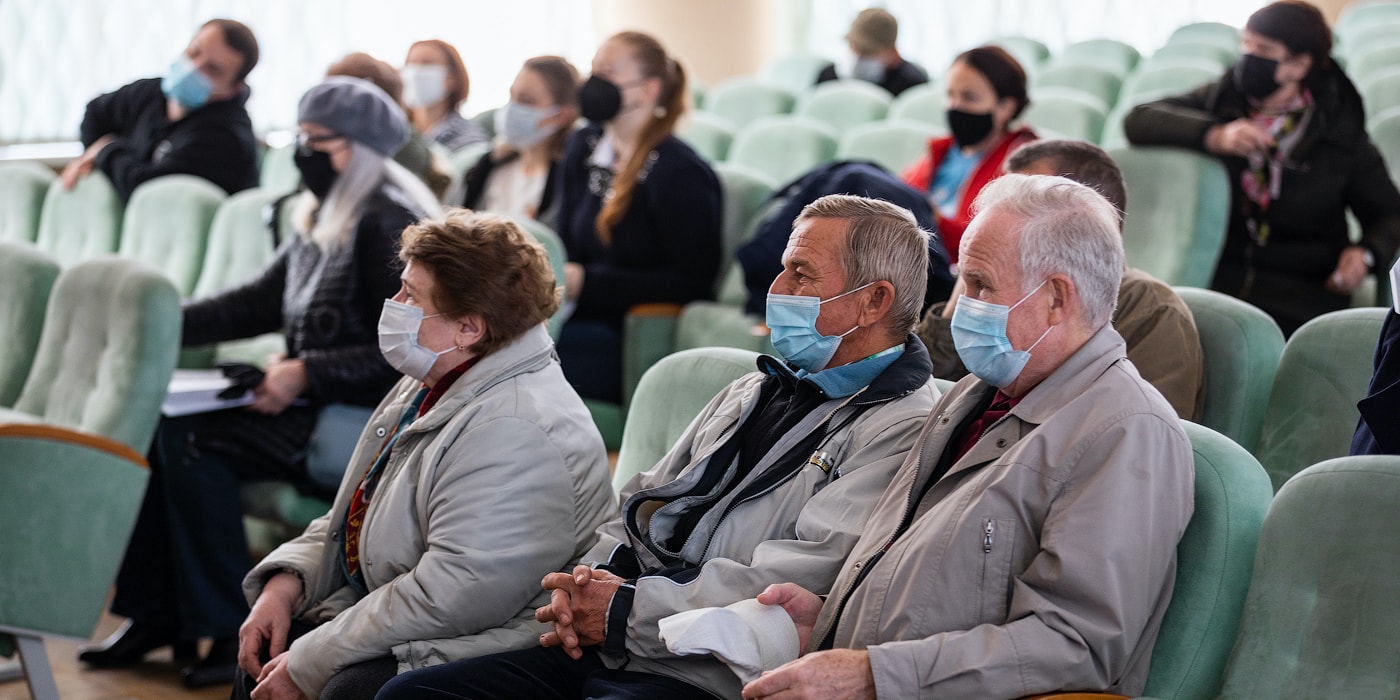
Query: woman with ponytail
[[640, 211]]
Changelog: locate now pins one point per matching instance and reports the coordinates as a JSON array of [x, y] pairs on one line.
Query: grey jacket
[[504, 480], [1043, 560], [797, 529]]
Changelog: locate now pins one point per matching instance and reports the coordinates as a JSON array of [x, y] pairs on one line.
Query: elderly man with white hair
[[1028, 542]]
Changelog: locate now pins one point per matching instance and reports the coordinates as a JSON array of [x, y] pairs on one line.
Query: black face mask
[[599, 100], [969, 128], [316, 172], [1255, 76]]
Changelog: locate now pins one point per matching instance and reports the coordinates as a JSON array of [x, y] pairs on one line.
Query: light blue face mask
[[979, 334], [186, 84], [869, 69], [518, 124], [793, 322]]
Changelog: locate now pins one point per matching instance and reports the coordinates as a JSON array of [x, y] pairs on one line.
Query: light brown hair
[[561, 80]]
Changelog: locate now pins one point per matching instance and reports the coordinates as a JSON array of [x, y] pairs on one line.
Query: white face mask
[[398, 339], [424, 84]]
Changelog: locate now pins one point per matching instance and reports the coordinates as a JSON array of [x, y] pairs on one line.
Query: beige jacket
[[1043, 560], [504, 480]]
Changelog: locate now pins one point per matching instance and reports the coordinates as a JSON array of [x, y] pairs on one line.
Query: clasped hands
[[578, 608]]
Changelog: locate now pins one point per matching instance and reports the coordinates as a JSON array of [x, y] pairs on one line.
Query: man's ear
[[1061, 292], [879, 301]]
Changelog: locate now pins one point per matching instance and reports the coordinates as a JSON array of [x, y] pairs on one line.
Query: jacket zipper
[[987, 534]]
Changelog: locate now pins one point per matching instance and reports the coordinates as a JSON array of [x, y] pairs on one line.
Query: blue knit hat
[[358, 110]]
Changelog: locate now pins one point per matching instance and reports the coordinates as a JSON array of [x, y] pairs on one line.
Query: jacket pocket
[[997, 540]]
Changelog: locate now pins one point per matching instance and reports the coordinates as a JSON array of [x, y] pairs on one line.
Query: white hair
[[1062, 227], [365, 172]]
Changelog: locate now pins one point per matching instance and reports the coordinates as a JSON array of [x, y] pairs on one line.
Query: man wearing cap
[[181, 578], [1028, 543], [191, 121], [872, 41]]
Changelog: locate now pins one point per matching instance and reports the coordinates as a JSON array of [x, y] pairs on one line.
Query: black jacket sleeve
[[1174, 121], [108, 113], [241, 312], [205, 151]]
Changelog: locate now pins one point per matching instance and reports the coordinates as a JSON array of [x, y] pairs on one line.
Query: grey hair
[[883, 242], [366, 170], [1062, 227]]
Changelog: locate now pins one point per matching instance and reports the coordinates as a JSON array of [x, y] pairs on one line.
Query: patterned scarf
[[1263, 178]]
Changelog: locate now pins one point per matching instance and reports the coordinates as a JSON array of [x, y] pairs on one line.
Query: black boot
[[130, 643], [216, 668]]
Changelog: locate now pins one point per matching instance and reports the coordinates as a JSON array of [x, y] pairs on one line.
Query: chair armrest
[[42, 431], [1077, 696], [649, 334]]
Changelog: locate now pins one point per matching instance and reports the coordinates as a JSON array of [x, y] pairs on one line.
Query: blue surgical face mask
[[518, 124], [979, 334], [793, 322], [869, 69], [186, 84]]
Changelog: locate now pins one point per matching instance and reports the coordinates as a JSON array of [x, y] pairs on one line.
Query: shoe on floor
[[218, 667], [130, 643]]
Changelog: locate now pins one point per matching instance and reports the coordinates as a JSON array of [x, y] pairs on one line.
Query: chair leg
[[36, 668]]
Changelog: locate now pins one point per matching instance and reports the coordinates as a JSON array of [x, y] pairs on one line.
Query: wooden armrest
[[43, 431], [1077, 696], [655, 310]]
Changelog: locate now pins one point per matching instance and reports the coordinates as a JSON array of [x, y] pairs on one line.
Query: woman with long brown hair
[[640, 210]]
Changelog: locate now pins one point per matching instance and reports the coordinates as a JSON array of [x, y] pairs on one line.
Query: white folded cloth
[[748, 636]]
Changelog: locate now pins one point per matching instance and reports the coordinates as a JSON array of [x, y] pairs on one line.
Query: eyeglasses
[[306, 141]]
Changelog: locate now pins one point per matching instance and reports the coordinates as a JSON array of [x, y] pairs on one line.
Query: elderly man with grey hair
[[771, 482], [1028, 543]]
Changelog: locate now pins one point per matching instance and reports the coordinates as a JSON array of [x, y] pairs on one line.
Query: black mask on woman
[[599, 99], [316, 172], [969, 128], [1255, 76]]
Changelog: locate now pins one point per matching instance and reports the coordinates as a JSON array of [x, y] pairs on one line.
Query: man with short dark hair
[[191, 121], [1155, 323], [876, 59]]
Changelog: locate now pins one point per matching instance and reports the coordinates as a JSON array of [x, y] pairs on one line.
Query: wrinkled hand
[[837, 674], [799, 603], [1351, 270], [1238, 138], [578, 608], [268, 622], [83, 164], [285, 380], [276, 683]]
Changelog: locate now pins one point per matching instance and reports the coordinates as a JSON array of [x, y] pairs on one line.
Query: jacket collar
[[530, 351], [904, 376]]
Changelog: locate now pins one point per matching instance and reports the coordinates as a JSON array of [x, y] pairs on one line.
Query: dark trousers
[[185, 563], [590, 353], [355, 682], [539, 672]]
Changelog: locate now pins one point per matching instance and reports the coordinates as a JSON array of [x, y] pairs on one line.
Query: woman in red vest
[[986, 92]]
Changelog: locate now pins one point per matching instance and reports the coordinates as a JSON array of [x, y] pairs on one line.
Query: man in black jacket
[[190, 121]]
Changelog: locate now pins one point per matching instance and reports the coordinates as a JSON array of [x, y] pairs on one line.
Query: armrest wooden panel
[[663, 310], [52, 432]]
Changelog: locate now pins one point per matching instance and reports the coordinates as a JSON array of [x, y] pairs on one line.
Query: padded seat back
[[1319, 620], [1214, 561], [278, 170], [1241, 346], [26, 278], [845, 103], [111, 334], [1109, 54], [709, 134], [1192, 52], [894, 144], [667, 400], [239, 243], [1178, 206], [1100, 83], [795, 72], [22, 190], [167, 225], [784, 147], [554, 246], [927, 103], [1030, 53], [745, 191], [82, 223], [1067, 113], [1213, 33], [744, 100], [1325, 369]]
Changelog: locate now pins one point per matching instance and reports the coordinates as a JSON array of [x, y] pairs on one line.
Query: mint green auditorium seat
[[1359, 15], [894, 144], [22, 190], [82, 223], [1066, 113], [927, 103], [1367, 38], [1030, 53], [844, 103], [1109, 54], [68, 503], [1385, 133], [278, 171], [1113, 136], [1213, 33], [784, 147], [486, 119], [745, 191], [111, 334], [1380, 91], [709, 134], [668, 398], [1101, 83], [1241, 346], [557, 257], [1171, 77], [26, 278], [167, 225], [1319, 620], [1324, 371], [714, 324], [1192, 52], [744, 100], [1178, 205], [795, 72]]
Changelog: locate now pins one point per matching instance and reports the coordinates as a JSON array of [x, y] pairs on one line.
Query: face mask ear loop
[[1029, 294], [842, 294], [1042, 337]]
